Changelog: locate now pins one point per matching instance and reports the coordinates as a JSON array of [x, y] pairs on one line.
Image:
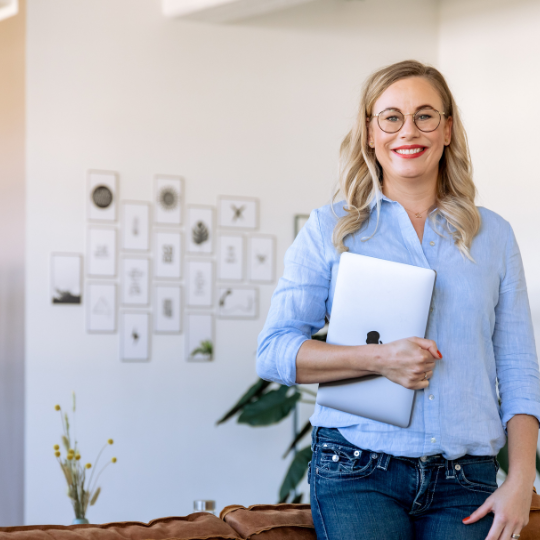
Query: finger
[[428, 345], [479, 513], [498, 531]]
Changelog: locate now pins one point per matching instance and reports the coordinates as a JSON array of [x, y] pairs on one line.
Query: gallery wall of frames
[[163, 266]]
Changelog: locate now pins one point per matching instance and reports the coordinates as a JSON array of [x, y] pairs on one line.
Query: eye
[[424, 116], [392, 119]]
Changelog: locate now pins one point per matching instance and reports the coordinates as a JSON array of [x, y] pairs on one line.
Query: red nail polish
[[466, 519], [439, 353]]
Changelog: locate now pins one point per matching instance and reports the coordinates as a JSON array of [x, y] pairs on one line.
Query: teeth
[[409, 150]]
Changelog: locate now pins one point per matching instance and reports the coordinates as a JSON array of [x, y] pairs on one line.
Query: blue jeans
[[357, 494]]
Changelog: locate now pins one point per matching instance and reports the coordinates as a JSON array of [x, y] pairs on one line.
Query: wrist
[[525, 480], [372, 357]]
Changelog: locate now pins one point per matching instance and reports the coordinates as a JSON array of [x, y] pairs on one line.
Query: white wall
[[256, 109], [489, 51]]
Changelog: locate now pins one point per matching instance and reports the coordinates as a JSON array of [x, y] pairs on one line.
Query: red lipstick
[[410, 147]]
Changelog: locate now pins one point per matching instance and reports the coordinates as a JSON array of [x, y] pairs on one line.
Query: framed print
[[261, 258], [238, 212], [168, 255], [101, 308], [231, 257], [135, 279], [66, 278], [200, 227], [134, 337], [200, 337], [101, 252], [167, 309], [102, 195], [299, 222], [168, 199], [237, 302], [199, 283], [135, 226]]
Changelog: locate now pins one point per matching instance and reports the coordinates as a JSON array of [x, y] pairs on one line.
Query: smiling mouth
[[409, 153]]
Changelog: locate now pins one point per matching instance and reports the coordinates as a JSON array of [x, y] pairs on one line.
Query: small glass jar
[[205, 506]]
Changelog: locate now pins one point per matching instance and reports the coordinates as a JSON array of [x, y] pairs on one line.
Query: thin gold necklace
[[418, 214]]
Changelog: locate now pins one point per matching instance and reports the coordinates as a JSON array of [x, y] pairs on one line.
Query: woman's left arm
[[519, 389]]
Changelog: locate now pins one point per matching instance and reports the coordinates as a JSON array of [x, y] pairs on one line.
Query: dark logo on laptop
[[373, 338]]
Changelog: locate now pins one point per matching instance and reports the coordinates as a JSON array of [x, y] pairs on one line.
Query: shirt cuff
[[519, 406], [286, 360]]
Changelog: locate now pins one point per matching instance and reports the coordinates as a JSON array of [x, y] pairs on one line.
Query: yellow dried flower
[[71, 451], [77, 456], [88, 465], [70, 457], [57, 453], [56, 447], [57, 407], [113, 460], [110, 441]]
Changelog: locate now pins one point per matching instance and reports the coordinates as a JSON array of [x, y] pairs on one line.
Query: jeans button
[[423, 458], [374, 455], [356, 453], [458, 467], [335, 458]]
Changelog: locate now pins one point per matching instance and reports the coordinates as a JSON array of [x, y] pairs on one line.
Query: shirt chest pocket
[[335, 461]]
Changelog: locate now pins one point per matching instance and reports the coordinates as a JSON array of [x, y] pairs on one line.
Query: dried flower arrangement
[[80, 493]]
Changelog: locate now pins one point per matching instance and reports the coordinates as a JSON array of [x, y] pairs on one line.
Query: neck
[[413, 195]]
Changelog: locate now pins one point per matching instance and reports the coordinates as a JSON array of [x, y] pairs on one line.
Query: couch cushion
[[198, 526], [271, 521]]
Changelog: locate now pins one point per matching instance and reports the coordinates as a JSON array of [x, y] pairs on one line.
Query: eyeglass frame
[[441, 114]]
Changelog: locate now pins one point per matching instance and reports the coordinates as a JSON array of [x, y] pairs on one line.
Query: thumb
[[479, 513], [428, 345]]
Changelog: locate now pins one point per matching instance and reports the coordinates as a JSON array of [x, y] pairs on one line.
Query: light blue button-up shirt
[[480, 321]]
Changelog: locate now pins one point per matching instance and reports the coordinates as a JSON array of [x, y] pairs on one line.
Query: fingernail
[[466, 519], [439, 353]]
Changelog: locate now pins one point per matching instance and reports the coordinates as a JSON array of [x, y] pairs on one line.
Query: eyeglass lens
[[391, 121]]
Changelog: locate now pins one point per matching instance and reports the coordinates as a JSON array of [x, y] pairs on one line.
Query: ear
[[448, 131]]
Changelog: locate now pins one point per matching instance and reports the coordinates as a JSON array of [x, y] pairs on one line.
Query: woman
[[409, 197]]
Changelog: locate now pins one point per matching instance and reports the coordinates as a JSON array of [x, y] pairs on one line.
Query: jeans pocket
[[339, 462], [477, 475]]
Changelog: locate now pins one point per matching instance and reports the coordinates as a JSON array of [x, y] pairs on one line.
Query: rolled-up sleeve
[[298, 305], [513, 341]]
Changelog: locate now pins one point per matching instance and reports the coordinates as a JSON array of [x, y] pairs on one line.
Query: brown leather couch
[[258, 522]]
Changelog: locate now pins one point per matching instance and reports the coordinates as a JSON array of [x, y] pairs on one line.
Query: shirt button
[[431, 397], [458, 467], [432, 243], [423, 458], [433, 439]]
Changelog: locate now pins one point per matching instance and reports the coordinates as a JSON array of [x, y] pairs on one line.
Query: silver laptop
[[376, 301]]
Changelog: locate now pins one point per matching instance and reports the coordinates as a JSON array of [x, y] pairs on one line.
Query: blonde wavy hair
[[360, 174]]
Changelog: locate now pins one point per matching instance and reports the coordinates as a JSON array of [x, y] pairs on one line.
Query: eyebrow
[[417, 108]]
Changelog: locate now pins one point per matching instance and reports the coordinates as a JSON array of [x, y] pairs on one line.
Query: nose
[[409, 128]]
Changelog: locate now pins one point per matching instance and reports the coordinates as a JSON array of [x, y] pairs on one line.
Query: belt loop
[[450, 473], [384, 460]]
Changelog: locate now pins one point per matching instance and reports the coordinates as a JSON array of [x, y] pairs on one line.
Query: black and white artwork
[[200, 283], [167, 309], [237, 302], [169, 193], [238, 212], [101, 308], [299, 221], [66, 281], [261, 255], [200, 337], [200, 230], [231, 257], [135, 226], [101, 252], [135, 337], [102, 196], [135, 279], [168, 255]]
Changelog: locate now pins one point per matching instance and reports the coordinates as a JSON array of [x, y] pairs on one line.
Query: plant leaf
[[205, 348], [271, 408], [502, 458], [303, 432], [296, 472], [298, 498], [65, 442], [95, 497], [253, 391]]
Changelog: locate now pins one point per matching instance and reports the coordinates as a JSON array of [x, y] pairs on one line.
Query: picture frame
[[238, 302], [168, 199], [238, 212], [231, 265], [135, 339], [261, 258], [135, 226], [135, 281], [200, 283], [101, 253], [200, 230], [299, 221], [102, 195], [167, 255], [167, 309], [101, 308], [200, 342], [66, 278]]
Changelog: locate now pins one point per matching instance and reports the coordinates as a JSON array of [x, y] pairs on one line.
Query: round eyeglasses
[[392, 120]]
